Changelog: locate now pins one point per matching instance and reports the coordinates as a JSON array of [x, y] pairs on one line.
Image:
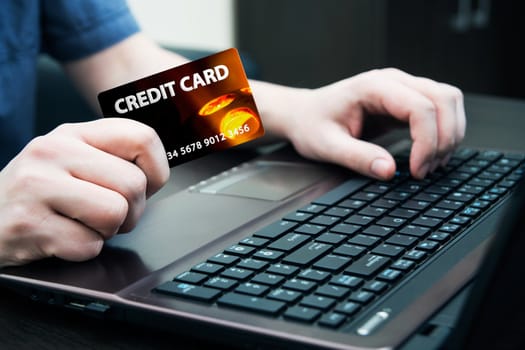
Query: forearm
[[278, 105], [134, 58]]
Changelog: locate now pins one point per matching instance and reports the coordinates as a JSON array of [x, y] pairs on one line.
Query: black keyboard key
[[350, 250], [389, 250], [364, 240], [309, 229], [252, 289], [471, 189], [318, 301], [415, 255], [464, 154], [347, 281], [402, 240], [359, 220], [191, 277], [428, 245], [437, 189], [389, 275], [269, 279], [376, 287], [288, 296], [307, 254], [224, 259], [331, 238], [332, 263], [404, 213], [239, 250], [439, 236], [237, 273], [365, 196], [372, 211], [427, 221], [268, 254], [450, 228], [347, 229], [367, 265], [314, 275], [325, 220], [348, 308], [361, 297], [397, 195], [299, 285], [448, 204], [252, 264], [302, 313], [283, 269], [470, 212], [414, 230], [250, 303], [275, 230], [221, 283], [480, 204], [207, 268], [289, 242], [341, 191], [332, 320], [185, 290], [254, 241], [381, 231], [378, 188], [298, 216], [385, 203], [439, 213], [410, 186], [391, 221], [427, 197], [333, 291], [415, 205], [339, 211], [313, 208], [403, 265], [352, 204], [460, 220], [489, 155]]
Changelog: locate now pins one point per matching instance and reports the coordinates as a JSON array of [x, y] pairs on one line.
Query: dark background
[[473, 44]]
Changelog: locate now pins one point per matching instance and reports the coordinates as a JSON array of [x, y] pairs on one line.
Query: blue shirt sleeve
[[74, 29]]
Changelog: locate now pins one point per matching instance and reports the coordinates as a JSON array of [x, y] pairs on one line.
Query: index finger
[[129, 140], [406, 104]]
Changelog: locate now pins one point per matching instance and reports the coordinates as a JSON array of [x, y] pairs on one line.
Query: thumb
[[363, 157]]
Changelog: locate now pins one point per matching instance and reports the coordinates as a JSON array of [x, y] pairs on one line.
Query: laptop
[[267, 249]]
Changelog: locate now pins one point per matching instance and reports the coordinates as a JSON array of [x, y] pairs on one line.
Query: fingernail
[[423, 170], [380, 168]]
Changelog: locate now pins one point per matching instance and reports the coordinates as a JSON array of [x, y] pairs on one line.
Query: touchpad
[[273, 181]]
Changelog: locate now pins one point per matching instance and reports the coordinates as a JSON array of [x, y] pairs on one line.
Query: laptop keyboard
[[327, 261]]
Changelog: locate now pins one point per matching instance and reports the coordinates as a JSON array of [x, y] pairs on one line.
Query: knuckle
[[41, 147], [115, 214], [91, 250], [64, 128]]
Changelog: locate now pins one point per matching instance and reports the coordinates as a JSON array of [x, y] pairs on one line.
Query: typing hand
[[330, 121], [68, 191]]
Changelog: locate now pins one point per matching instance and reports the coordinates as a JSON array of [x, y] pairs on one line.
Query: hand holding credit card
[[196, 108]]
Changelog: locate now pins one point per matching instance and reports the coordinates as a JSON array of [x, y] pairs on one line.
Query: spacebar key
[[250, 303]]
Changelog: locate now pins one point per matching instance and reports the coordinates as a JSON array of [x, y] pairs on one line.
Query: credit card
[[197, 108]]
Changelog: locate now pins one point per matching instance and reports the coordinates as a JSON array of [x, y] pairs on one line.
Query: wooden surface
[[493, 122]]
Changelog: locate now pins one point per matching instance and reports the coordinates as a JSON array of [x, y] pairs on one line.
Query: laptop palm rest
[[183, 223]]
